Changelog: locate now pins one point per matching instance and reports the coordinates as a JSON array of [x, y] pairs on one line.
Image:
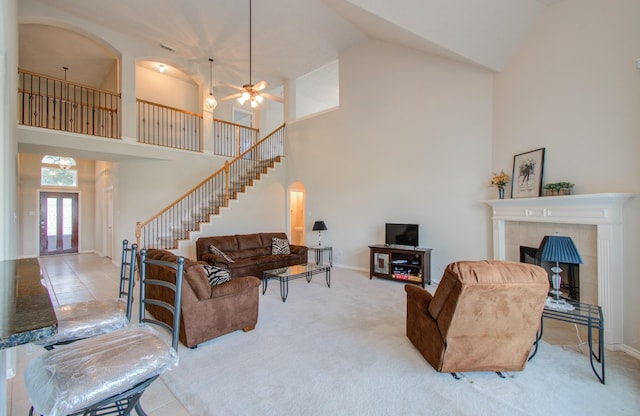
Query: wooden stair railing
[[186, 213]]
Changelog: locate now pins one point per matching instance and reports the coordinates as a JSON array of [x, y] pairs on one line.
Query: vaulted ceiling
[[290, 37]]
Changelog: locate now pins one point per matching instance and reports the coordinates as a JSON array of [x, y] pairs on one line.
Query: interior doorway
[[108, 212], [58, 223], [296, 216]]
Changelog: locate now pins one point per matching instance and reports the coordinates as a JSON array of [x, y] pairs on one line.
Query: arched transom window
[[58, 171]]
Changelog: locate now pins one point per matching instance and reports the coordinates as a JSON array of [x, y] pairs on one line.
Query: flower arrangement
[[500, 179]]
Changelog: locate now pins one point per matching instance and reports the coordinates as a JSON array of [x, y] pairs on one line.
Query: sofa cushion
[[215, 250], [250, 245], [280, 246], [216, 275], [225, 243]]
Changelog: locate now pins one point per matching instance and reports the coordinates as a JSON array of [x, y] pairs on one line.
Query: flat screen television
[[401, 234]]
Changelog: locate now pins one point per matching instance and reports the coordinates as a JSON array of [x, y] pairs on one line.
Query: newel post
[[138, 233], [226, 184]]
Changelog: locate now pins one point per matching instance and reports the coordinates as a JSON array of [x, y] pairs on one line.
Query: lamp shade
[[319, 226], [559, 249]]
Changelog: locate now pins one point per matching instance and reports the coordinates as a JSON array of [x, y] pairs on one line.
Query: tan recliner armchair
[[483, 316]]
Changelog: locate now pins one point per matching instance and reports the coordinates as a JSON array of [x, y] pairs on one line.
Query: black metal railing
[[161, 125], [58, 104], [184, 215], [231, 139]]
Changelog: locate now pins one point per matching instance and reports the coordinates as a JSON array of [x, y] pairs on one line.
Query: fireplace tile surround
[[593, 221], [530, 234]]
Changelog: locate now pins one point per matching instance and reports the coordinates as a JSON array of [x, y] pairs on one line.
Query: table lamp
[[558, 249], [319, 226]]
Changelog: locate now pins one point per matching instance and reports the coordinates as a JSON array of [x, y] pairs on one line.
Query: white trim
[[602, 210], [631, 351]]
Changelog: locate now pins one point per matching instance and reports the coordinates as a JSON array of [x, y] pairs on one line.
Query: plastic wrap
[[87, 319], [69, 379]]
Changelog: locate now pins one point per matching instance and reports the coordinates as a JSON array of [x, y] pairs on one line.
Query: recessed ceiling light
[[161, 67]]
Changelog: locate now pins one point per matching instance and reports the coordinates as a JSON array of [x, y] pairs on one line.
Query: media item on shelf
[[401, 276]]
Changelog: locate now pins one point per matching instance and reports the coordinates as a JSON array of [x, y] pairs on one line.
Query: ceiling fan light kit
[[251, 92]]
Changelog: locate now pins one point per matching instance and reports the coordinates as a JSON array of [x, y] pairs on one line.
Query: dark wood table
[[26, 311]]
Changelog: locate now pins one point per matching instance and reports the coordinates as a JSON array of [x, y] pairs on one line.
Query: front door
[[58, 223]]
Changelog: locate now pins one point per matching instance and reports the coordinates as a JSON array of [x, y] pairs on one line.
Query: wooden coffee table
[[284, 274]]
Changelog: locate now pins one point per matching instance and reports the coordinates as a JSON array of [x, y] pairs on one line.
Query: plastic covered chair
[[88, 319], [107, 374]]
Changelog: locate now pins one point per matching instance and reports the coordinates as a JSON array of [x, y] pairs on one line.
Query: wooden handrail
[[24, 71], [169, 108], [224, 168], [236, 124]]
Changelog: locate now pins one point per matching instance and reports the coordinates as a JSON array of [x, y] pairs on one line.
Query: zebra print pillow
[[280, 246], [216, 275], [215, 250]]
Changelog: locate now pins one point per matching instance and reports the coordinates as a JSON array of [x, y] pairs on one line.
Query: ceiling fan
[[251, 92]]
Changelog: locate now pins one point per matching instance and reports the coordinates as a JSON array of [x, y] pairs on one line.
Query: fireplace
[[605, 212], [570, 286]]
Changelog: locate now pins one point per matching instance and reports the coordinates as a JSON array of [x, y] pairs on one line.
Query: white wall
[[167, 90], [410, 142], [574, 89], [8, 148]]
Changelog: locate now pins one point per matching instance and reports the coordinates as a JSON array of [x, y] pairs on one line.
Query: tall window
[[58, 171]]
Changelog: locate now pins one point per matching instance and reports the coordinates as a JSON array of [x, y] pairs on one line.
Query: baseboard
[[630, 350], [357, 269], [63, 254]]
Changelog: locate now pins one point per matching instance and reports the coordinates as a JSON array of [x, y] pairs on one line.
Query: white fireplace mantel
[[605, 211]]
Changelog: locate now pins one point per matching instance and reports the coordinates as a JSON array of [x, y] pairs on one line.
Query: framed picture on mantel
[[527, 174]]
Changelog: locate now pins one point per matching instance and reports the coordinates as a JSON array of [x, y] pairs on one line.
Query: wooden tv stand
[[406, 264]]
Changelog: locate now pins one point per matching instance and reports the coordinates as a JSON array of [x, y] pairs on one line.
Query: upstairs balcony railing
[[174, 222], [53, 103], [58, 104], [161, 125]]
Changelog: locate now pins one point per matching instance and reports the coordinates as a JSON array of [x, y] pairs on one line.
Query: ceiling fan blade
[[272, 97], [227, 85], [260, 86], [231, 97]]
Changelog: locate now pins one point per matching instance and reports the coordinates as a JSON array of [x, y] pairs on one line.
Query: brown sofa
[[251, 253], [207, 311], [483, 316]]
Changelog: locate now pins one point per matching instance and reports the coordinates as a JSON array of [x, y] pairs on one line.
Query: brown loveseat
[[483, 316], [251, 253], [207, 311]]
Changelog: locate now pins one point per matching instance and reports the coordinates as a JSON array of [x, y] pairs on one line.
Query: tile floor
[[76, 278]]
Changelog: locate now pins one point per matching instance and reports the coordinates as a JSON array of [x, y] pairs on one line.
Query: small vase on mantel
[[501, 192]]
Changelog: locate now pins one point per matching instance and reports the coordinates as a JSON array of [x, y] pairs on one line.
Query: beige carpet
[[343, 351]]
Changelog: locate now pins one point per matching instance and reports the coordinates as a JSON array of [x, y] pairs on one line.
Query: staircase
[[186, 214]]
